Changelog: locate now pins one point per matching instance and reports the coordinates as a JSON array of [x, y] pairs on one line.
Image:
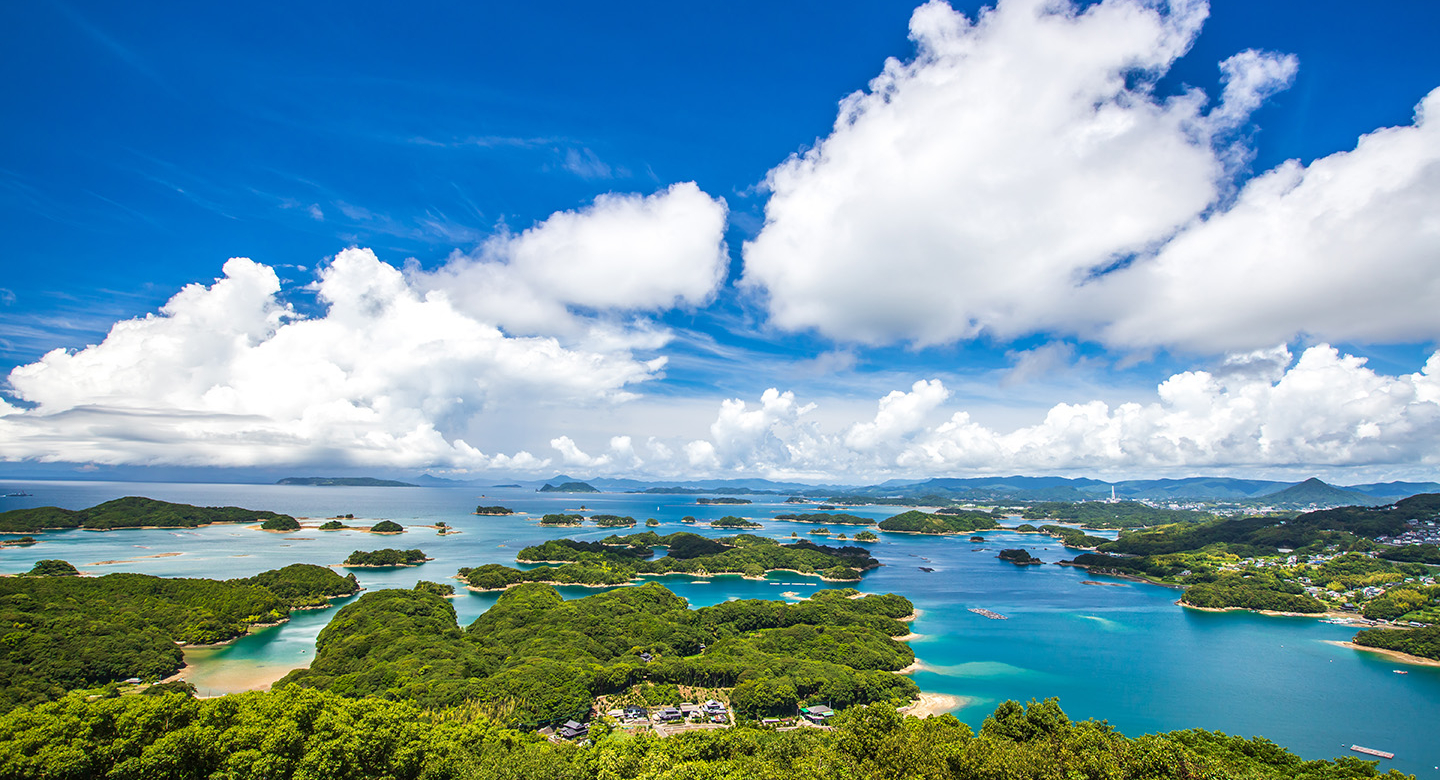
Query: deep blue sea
[[1125, 654]]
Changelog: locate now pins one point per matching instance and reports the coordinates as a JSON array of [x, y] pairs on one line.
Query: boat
[[1372, 752], [21, 494], [1400, 671]]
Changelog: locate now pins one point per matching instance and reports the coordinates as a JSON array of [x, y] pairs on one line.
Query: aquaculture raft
[[1371, 751], [987, 613]]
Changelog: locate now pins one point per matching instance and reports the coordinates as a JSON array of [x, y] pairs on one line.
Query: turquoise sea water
[[1126, 654]]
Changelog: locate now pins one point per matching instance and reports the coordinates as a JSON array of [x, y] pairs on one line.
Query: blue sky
[[1044, 263]]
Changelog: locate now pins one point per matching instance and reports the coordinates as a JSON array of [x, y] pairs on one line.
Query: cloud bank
[[397, 368], [1262, 410], [1020, 175]]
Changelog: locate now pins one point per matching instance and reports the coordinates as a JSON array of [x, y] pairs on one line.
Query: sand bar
[[929, 704]]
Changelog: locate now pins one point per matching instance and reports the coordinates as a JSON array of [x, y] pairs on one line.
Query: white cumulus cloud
[[1020, 176], [228, 375], [1264, 410], [622, 254]]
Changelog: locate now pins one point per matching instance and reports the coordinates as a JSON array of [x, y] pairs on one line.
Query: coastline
[[928, 705], [1394, 655], [1270, 612]]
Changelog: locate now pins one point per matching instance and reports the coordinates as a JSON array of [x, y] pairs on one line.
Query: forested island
[[387, 527], [61, 633], [838, 518], [281, 523], [385, 557], [129, 512], [619, 559], [731, 521], [917, 522], [1018, 557], [494, 510], [723, 500]]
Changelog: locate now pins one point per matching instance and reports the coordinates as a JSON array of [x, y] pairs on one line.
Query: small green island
[[1019, 557], [384, 558], [563, 520], [387, 527], [731, 521], [612, 521], [917, 522], [494, 510], [280, 524], [827, 518]]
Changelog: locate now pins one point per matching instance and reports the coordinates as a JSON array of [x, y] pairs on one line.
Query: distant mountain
[[428, 480], [568, 487], [1197, 488], [344, 482], [1396, 490], [1314, 491]]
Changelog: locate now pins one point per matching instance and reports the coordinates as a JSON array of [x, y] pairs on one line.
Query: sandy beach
[[135, 559], [934, 704], [1394, 655]]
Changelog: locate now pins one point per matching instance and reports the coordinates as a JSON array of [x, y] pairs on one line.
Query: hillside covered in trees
[[543, 659], [60, 633], [299, 733]]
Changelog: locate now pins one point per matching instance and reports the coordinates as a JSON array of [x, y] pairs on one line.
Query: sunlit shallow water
[[1126, 654]]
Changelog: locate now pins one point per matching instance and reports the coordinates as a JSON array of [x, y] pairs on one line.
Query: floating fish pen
[[1371, 751], [987, 613]]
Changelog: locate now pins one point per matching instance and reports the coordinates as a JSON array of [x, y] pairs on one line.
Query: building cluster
[[1416, 532]]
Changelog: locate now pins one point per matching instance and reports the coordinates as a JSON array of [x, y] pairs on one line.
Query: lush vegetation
[[61, 633], [386, 557], [281, 523], [298, 733], [1122, 514], [1414, 553], [438, 588], [1018, 557], [618, 559], [1261, 535], [723, 500], [1423, 642], [541, 659], [1073, 537], [332, 525], [838, 518], [562, 519], [613, 521], [22, 541], [51, 567], [1251, 591], [387, 527], [128, 512], [919, 522], [1406, 603], [731, 521], [865, 536], [568, 487], [494, 510]]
